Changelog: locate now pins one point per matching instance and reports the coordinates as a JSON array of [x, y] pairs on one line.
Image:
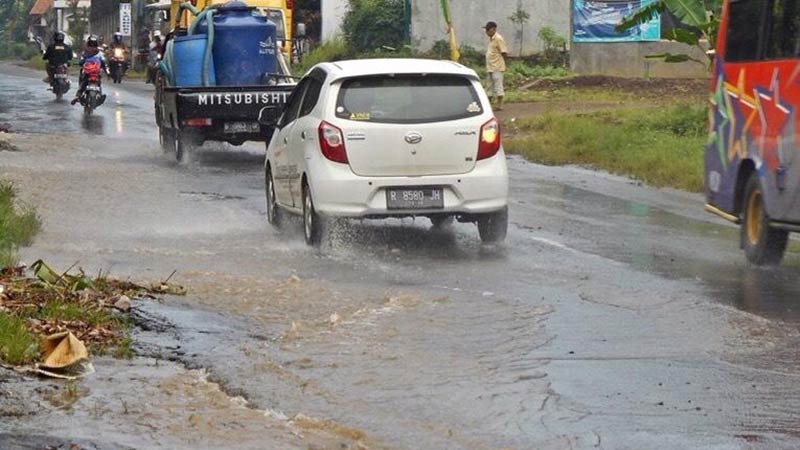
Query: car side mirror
[[269, 116]]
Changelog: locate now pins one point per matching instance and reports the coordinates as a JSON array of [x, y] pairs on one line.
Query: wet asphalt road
[[616, 316]]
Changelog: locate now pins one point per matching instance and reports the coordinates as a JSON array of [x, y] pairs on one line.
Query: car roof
[[383, 66]]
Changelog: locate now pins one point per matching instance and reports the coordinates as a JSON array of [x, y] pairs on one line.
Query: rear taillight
[[331, 142], [490, 140], [198, 122]]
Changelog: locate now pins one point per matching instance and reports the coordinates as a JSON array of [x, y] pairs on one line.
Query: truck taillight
[[289, 4], [490, 140], [197, 122], [331, 143]]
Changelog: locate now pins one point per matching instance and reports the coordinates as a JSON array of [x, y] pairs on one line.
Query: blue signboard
[[595, 20]]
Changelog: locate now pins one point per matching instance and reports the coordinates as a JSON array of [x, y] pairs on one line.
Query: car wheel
[[442, 221], [312, 223], [762, 244], [493, 227], [273, 212]]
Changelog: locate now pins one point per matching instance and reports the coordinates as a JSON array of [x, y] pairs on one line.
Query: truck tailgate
[[229, 103]]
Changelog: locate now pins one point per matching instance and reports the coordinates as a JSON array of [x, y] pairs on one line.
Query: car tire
[[440, 222], [493, 227], [273, 211], [312, 223], [762, 244]]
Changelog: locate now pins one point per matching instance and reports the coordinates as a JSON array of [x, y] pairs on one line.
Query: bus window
[[783, 30], [745, 17]]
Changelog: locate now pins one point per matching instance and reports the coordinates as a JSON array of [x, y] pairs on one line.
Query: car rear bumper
[[338, 192]]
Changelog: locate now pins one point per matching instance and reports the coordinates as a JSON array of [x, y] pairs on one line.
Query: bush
[[19, 50], [555, 47], [370, 25], [17, 226], [333, 50]]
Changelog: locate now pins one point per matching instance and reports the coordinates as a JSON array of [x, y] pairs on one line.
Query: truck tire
[[762, 244], [181, 146], [166, 138]]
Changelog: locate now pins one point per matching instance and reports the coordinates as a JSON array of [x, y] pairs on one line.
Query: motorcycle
[[117, 64], [92, 95], [59, 82]]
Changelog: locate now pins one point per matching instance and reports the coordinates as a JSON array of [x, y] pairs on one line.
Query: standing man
[[496, 64]]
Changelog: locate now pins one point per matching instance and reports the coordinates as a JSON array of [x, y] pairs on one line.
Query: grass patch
[[18, 225], [660, 146], [17, 345]]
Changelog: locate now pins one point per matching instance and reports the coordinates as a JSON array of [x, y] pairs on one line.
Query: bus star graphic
[[773, 117]]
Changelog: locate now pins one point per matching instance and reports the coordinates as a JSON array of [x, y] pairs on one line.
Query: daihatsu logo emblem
[[413, 138]]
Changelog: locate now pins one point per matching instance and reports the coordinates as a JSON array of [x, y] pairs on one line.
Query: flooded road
[[616, 316]]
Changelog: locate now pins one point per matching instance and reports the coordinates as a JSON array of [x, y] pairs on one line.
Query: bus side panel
[[753, 117]]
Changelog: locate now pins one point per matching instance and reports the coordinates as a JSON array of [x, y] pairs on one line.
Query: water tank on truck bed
[[244, 45]]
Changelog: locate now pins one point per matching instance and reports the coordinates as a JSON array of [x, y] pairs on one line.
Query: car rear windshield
[[408, 99]]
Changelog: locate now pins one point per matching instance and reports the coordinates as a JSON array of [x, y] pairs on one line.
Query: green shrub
[[555, 47], [369, 25], [17, 345], [19, 51], [17, 225], [333, 50]]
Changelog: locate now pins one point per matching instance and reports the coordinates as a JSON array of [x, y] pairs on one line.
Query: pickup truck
[[189, 116]]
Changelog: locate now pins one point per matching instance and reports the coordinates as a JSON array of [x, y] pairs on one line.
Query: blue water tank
[[244, 45], [187, 60]]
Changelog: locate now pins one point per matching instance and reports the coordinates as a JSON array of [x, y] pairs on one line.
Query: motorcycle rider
[[56, 54], [90, 53], [118, 44]]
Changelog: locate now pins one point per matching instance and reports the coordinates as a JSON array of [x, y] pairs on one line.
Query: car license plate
[[415, 198], [242, 127], [61, 75], [92, 87]]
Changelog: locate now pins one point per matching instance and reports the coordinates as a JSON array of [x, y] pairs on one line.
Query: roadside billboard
[[125, 19], [595, 21]]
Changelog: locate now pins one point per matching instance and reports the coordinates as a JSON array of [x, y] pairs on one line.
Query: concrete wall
[[627, 59], [428, 26], [332, 12]]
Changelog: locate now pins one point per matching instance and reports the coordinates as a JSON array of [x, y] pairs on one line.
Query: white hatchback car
[[379, 138]]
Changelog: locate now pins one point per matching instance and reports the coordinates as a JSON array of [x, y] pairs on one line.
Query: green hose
[[208, 15]]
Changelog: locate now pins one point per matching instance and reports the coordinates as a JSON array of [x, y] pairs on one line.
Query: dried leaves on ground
[[49, 302]]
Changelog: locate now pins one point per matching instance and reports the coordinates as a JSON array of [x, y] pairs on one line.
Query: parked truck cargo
[[217, 76]]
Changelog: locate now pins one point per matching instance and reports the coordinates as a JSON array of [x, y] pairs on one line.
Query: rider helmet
[[92, 41], [58, 37], [117, 38]]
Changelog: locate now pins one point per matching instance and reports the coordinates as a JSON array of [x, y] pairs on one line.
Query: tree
[[79, 23], [370, 25], [702, 17], [14, 19], [519, 18]]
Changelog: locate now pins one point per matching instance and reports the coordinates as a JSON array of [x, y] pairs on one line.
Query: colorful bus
[[752, 176]]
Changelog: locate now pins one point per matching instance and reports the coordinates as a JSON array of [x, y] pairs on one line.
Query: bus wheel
[[762, 244]]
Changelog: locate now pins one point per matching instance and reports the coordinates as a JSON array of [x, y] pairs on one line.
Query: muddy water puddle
[[145, 403]]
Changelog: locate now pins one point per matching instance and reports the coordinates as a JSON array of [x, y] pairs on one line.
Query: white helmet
[[156, 34]]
